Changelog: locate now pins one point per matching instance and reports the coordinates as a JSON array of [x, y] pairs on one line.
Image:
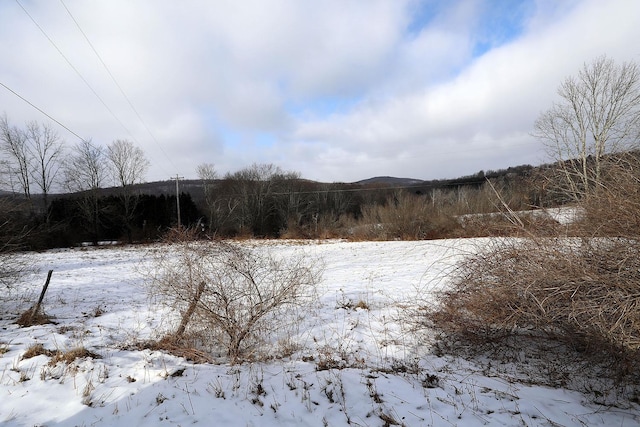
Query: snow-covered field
[[382, 373]]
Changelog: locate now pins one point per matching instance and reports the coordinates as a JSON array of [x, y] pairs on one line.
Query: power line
[[124, 95], [42, 111], [433, 183], [74, 68]]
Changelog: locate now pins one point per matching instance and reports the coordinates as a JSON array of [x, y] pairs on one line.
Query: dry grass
[[37, 350], [614, 208], [584, 289], [572, 287], [404, 216], [57, 356], [508, 224], [27, 319], [180, 347], [69, 356]]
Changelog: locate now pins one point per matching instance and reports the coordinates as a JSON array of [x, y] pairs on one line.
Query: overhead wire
[[115, 81], [436, 183], [74, 68], [103, 63], [43, 112]]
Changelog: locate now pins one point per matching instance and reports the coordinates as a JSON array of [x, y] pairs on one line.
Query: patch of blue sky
[[422, 12], [321, 106], [307, 106], [263, 139], [236, 138], [500, 22], [220, 132], [241, 140], [495, 23]]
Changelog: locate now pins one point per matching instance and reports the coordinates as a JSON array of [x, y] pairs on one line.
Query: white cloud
[[481, 118], [338, 90]]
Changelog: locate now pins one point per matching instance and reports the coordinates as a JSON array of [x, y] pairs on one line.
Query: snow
[[379, 372], [563, 215]]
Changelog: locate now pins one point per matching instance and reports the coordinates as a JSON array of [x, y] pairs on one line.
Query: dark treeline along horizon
[[104, 197], [259, 201], [265, 202]]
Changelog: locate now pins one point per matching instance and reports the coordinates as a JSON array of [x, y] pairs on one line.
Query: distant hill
[[389, 180], [195, 187]]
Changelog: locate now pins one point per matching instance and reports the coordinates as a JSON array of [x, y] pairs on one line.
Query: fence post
[[36, 308]]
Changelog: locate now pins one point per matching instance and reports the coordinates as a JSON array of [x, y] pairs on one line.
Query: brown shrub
[[404, 216], [183, 346], [613, 209], [584, 291], [28, 318], [585, 288], [502, 224]]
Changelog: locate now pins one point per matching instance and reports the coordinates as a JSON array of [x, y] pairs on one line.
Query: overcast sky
[[337, 90]]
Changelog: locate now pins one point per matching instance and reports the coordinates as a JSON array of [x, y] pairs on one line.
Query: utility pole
[[178, 178]]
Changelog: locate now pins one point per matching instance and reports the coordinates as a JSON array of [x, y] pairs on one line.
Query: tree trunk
[[190, 310]]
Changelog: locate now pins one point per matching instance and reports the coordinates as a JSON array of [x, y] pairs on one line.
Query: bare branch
[[598, 114], [243, 288]]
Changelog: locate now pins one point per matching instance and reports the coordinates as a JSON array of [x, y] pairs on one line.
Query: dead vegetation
[[582, 288], [70, 355], [29, 318], [574, 288], [37, 350], [184, 346], [228, 296], [58, 356]]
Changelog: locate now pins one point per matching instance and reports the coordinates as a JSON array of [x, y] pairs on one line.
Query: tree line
[[87, 193], [37, 163], [100, 193], [60, 195]]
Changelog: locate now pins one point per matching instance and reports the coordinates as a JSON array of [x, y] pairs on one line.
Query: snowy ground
[[383, 374]]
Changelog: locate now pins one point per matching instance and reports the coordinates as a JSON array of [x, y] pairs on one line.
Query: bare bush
[[584, 291], [15, 262], [14, 266], [508, 223], [228, 295], [404, 216], [613, 209]]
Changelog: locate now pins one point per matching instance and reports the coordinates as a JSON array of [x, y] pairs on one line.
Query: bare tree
[[598, 114], [128, 165], [34, 158], [207, 173], [14, 226], [255, 190], [14, 144], [85, 173], [46, 150], [14, 261]]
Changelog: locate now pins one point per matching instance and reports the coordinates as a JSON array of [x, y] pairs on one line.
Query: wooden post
[[36, 308]]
